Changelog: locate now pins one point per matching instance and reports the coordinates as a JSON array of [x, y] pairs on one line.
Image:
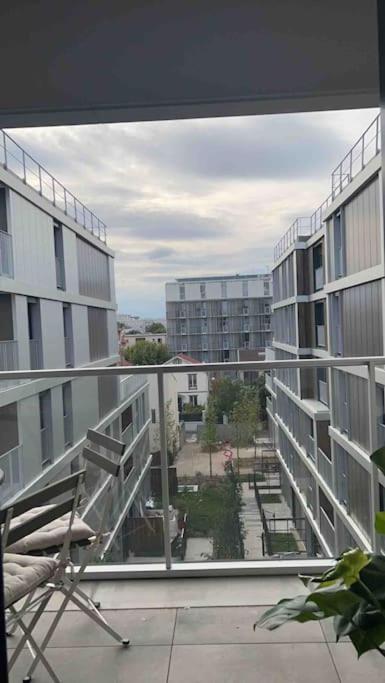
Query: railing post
[[40, 183], [164, 469], [65, 201], [53, 191], [24, 171], [363, 152], [372, 414]]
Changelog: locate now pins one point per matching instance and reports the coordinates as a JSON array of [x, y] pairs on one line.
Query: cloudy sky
[[191, 198]]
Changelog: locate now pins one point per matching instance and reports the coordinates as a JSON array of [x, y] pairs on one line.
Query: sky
[[199, 197]]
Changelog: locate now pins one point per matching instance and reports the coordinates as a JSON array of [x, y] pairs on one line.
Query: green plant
[[209, 432], [147, 353], [352, 592], [156, 328], [191, 409]]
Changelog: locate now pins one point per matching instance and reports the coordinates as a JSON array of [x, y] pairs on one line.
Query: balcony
[[323, 392], [10, 464], [6, 254], [327, 530], [325, 468], [174, 625]]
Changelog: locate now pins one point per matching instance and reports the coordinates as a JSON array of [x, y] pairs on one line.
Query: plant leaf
[[373, 576], [380, 522], [347, 568], [296, 609], [335, 602], [368, 639], [378, 457]]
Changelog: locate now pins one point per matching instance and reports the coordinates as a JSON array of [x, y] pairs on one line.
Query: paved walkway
[[198, 549], [252, 525]]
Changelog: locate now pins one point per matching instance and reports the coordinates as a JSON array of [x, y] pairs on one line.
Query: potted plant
[[352, 592]]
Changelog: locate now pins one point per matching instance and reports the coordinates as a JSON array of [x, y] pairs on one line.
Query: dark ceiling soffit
[[280, 104]]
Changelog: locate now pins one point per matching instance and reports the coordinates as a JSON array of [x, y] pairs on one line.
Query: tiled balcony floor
[[193, 630]]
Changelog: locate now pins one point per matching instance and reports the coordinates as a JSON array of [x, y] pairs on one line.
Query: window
[[245, 288], [266, 288], [224, 290], [184, 348], [322, 387], [192, 382], [153, 416], [193, 400], [318, 271], [45, 414], [245, 308], [339, 267], [204, 310], [267, 308], [182, 292], [336, 328], [202, 288], [319, 318], [68, 336], [59, 255], [97, 330], [224, 307], [67, 414], [126, 418], [204, 346], [127, 467], [34, 333]]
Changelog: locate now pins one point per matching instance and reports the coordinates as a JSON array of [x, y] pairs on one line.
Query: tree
[[147, 353], [226, 392], [261, 395], [209, 432], [156, 328], [244, 417]]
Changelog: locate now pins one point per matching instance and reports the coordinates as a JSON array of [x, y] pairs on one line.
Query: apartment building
[[58, 310], [329, 300], [212, 318]]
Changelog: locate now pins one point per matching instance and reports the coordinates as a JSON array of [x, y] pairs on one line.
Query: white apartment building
[[329, 300], [212, 318], [58, 310]]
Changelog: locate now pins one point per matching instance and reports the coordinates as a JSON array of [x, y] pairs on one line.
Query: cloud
[[195, 197]]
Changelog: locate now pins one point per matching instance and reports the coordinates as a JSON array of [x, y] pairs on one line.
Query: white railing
[[365, 149], [139, 374], [6, 254], [129, 385], [325, 468], [11, 465], [21, 164], [35, 354], [327, 530]]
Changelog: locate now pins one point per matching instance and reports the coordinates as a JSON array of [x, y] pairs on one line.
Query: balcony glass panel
[[6, 254], [325, 468]]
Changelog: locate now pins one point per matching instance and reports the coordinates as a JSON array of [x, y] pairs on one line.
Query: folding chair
[[92, 544], [24, 574]]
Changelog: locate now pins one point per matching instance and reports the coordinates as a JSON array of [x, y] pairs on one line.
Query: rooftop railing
[[363, 151], [20, 163]]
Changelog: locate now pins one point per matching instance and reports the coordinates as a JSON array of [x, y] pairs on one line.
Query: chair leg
[[39, 654], [95, 616], [91, 602]]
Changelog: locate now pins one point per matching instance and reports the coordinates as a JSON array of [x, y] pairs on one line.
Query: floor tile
[[261, 663], [370, 668], [100, 665], [141, 627], [199, 592], [206, 625], [329, 632]]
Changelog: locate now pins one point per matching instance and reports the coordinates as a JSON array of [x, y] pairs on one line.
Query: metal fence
[[15, 159]]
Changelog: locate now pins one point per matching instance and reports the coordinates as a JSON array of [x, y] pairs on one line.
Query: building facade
[[211, 318], [329, 300], [58, 310]]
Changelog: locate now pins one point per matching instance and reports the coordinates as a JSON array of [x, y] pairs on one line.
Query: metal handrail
[[330, 362], [32, 173], [365, 149]]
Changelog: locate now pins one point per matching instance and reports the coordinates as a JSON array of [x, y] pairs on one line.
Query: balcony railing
[[6, 254], [9, 360], [11, 465], [17, 161], [365, 149], [139, 492], [320, 336], [323, 392], [327, 531], [35, 352], [319, 278], [325, 468], [310, 447]]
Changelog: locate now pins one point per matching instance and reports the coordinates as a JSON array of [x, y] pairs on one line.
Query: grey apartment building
[[212, 318], [58, 310], [329, 300]]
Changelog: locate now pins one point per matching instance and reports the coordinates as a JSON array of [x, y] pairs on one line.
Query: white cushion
[[23, 574], [50, 536]]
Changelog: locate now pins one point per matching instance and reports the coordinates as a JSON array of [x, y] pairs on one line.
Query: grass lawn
[[283, 543], [270, 498]]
